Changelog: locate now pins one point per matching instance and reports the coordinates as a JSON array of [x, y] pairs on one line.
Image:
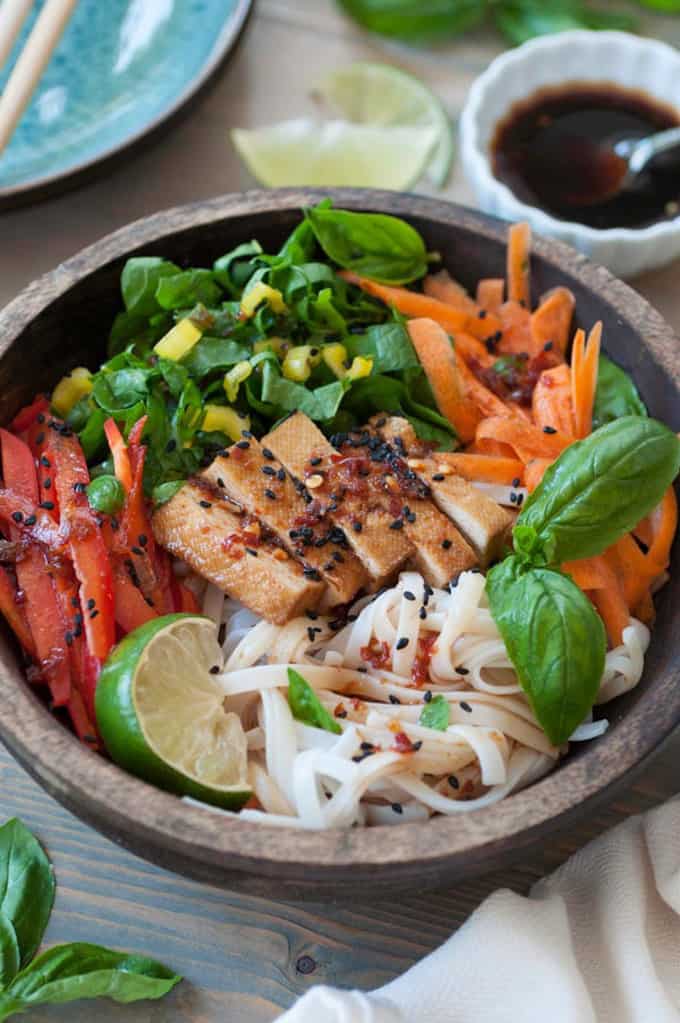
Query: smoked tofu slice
[[482, 521], [264, 489], [202, 528], [306, 454]]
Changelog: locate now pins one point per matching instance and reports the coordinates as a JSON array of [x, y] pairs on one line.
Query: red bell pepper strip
[[85, 730], [86, 544], [42, 606], [14, 613], [132, 610], [119, 452], [29, 521], [29, 414], [185, 599], [135, 435]]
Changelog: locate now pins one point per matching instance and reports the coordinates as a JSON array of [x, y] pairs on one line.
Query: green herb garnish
[[436, 714], [306, 706]]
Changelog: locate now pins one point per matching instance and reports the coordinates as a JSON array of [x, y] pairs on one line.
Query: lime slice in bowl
[[384, 96], [160, 712], [336, 153]]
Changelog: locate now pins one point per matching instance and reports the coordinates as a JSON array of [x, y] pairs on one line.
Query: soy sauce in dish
[[548, 150]]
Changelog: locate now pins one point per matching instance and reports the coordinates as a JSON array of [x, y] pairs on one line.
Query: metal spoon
[[638, 153]]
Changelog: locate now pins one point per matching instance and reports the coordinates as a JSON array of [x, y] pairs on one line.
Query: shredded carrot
[[584, 363], [441, 366], [550, 323], [413, 303], [485, 401], [551, 401], [490, 294], [442, 287], [534, 471], [644, 610], [596, 578], [634, 570], [519, 244], [515, 329], [524, 440], [484, 468], [663, 522]]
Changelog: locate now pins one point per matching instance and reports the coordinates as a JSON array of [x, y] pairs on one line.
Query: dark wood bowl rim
[[123, 805]]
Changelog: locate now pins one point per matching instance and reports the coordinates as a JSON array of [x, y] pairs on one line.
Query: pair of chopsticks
[[33, 58]]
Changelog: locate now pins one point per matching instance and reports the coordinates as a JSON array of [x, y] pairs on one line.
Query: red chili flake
[[402, 743], [377, 654], [420, 671]]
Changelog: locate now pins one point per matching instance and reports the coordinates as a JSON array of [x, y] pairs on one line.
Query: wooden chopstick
[[31, 63], [13, 13]]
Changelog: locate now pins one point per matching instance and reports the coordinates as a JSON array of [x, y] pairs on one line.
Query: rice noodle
[[384, 766]]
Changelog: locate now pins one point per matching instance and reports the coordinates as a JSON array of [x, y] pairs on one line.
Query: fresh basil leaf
[[417, 20], [436, 714], [214, 355], [300, 244], [598, 489], [388, 344], [26, 886], [306, 706], [554, 638], [616, 394], [67, 973], [233, 270], [179, 291], [375, 245], [10, 955], [139, 280]]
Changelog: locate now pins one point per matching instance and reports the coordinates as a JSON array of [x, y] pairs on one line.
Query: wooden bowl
[[62, 320]]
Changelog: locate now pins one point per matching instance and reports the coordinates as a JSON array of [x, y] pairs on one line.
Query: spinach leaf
[[597, 490], [554, 638], [166, 491], [214, 355], [139, 280], [26, 886], [417, 20], [233, 270], [179, 291], [388, 344], [319, 404], [66, 973], [10, 955], [120, 390], [376, 245], [92, 437], [616, 394], [306, 706], [300, 244], [436, 714]]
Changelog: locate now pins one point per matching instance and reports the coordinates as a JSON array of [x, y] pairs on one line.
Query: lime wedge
[[307, 152], [384, 96], [161, 713]]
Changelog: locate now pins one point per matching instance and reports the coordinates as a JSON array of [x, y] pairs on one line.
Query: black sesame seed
[[460, 670], [397, 524], [40, 439], [44, 460], [40, 418], [31, 520], [520, 498], [246, 433], [356, 526], [47, 483], [269, 470], [422, 614], [270, 494], [252, 552], [498, 336], [394, 699], [366, 745], [312, 615], [410, 516], [438, 477], [516, 481], [268, 454], [115, 524], [341, 714], [91, 603], [427, 697], [402, 642], [281, 475], [142, 539], [75, 602], [138, 551], [78, 631], [446, 544], [243, 445], [315, 461], [17, 516], [416, 745], [548, 346], [549, 429], [311, 573], [397, 808], [408, 595], [205, 504], [453, 782], [79, 488], [482, 314], [513, 497], [93, 614], [69, 639]]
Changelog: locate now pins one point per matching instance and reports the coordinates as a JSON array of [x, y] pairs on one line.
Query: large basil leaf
[[139, 280], [616, 394], [300, 244], [306, 706], [375, 245], [597, 490], [66, 973], [10, 956], [417, 20], [554, 638], [26, 887]]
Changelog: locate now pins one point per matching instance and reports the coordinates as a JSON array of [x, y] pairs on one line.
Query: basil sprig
[[596, 491], [375, 245], [616, 395], [63, 973], [306, 706]]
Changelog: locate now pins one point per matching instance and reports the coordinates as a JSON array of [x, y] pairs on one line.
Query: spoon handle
[[639, 152]]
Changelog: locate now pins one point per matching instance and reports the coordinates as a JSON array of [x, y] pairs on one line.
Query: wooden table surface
[[241, 956]]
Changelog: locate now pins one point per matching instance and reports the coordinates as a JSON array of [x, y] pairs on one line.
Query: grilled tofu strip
[[482, 522], [307, 455], [200, 526], [263, 488]]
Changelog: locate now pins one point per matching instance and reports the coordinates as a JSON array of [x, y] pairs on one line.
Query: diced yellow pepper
[[279, 345], [179, 340], [225, 420], [361, 367], [299, 362], [70, 389], [235, 377], [261, 292], [335, 356]]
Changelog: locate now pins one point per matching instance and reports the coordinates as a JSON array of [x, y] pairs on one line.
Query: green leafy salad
[[208, 352]]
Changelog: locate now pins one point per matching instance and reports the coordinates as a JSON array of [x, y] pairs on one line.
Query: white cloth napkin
[[598, 941]]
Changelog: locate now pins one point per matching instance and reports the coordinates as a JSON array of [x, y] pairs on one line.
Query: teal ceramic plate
[[120, 71]]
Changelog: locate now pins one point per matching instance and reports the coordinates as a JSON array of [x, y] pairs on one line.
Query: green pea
[[106, 495]]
